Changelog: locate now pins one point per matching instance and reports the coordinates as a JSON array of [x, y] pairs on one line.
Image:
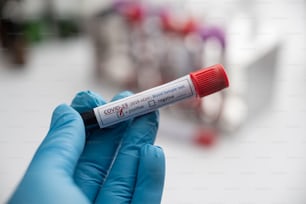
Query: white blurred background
[[256, 151]]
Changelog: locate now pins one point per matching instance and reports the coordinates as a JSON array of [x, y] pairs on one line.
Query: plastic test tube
[[196, 84]]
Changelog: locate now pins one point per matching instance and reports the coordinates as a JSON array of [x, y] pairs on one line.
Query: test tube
[[196, 84]]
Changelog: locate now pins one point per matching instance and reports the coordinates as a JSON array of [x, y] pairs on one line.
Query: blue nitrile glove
[[118, 164]]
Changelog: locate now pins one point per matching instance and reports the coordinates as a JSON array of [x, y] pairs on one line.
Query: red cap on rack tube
[[209, 80]]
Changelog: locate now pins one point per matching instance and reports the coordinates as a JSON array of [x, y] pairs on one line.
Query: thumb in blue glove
[[49, 178]]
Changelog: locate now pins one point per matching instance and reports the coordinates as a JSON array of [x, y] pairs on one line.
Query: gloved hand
[[118, 164]]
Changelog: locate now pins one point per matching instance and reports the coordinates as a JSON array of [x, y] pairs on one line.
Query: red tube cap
[[209, 80]]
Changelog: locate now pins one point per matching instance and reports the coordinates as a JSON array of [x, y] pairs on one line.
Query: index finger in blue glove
[[119, 185]]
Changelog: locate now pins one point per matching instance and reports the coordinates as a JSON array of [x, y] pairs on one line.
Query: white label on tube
[[144, 102]]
